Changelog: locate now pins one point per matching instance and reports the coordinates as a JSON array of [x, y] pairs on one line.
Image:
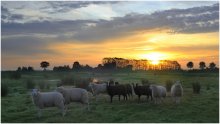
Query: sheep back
[[49, 99]]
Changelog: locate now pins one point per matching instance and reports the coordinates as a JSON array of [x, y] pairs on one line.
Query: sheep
[[142, 90], [129, 90], [74, 95], [97, 88], [176, 92], [158, 92], [48, 99], [116, 90]]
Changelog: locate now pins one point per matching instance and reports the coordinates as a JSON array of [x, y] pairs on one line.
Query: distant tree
[[100, 67], [30, 68], [76, 66], [24, 69], [87, 68], [19, 69], [189, 65], [212, 65], [202, 65], [44, 65]]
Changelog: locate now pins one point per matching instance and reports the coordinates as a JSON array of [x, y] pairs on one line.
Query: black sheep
[[129, 89], [142, 90], [117, 90]]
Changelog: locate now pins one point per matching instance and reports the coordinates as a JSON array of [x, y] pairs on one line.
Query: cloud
[[24, 46], [6, 15], [65, 6], [191, 20]]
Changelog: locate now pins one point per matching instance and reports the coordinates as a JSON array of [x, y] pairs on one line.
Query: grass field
[[17, 106]]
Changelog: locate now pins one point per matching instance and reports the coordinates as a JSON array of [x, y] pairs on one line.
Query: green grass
[[17, 106]]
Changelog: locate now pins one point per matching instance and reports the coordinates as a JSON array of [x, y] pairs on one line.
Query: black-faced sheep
[[48, 99], [74, 95], [116, 90], [158, 92], [142, 90], [176, 92]]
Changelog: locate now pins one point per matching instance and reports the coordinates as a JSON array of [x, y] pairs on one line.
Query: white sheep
[[158, 92], [48, 99], [97, 89], [74, 95], [176, 92]]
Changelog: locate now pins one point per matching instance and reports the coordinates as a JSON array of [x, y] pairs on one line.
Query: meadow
[[17, 106]]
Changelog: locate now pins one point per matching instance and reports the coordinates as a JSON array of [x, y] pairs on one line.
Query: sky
[[87, 31]]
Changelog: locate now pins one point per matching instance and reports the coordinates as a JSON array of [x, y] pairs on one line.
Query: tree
[[189, 65], [76, 66], [24, 69], [19, 69], [202, 65], [44, 65], [212, 65], [30, 68]]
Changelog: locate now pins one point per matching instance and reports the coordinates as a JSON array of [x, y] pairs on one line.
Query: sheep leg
[[119, 97]]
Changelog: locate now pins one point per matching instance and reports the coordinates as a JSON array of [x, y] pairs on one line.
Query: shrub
[[30, 84], [41, 84], [168, 84], [4, 89], [46, 76], [83, 83], [76, 81], [207, 86], [59, 84], [16, 75], [196, 87], [145, 81], [68, 80]]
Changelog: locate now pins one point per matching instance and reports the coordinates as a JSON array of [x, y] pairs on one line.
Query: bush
[[145, 81], [4, 89], [41, 84], [168, 84], [59, 84], [196, 87], [207, 86], [75, 81], [30, 84], [68, 80], [16, 75], [46, 76]]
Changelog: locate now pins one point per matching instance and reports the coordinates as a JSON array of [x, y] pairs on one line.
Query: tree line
[[123, 65]]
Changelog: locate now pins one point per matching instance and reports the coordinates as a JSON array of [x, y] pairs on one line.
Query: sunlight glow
[[155, 62]]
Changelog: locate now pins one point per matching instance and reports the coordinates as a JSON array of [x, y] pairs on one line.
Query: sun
[[155, 62], [154, 57]]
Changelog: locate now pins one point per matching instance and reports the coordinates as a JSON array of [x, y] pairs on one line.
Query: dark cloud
[[25, 46], [191, 20], [45, 27], [65, 6], [6, 15]]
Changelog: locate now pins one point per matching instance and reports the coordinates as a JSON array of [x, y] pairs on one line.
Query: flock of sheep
[[63, 96]]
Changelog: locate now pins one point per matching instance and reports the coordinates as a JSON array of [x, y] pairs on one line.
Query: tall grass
[[196, 87], [30, 84], [4, 89], [168, 84], [75, 81]]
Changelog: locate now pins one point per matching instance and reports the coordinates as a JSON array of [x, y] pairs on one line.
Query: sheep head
[[35, 92]]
